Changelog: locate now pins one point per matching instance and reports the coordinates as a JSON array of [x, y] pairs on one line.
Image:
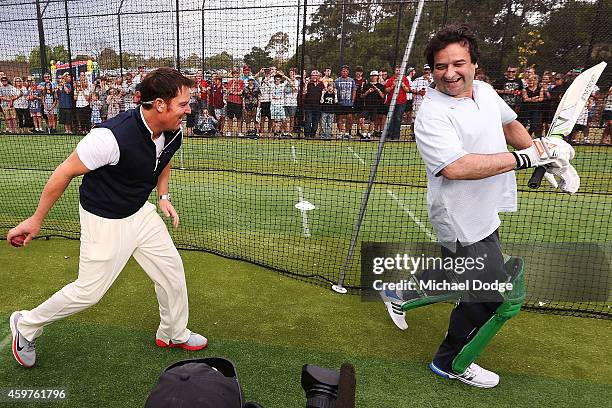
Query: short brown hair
[[451, 34], [164, 83]]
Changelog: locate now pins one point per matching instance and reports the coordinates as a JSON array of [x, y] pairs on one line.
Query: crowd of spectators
[[271, 103]]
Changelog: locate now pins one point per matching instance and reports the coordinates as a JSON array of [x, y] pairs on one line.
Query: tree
[[35, 56], [192, 61], [59, 53], [219, 61], [258, 59], [279, 45], [108, 59]]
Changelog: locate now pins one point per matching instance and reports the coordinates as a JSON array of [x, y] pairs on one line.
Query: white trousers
[[106, 246]]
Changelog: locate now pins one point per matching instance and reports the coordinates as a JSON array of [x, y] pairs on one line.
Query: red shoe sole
[[162, 344]]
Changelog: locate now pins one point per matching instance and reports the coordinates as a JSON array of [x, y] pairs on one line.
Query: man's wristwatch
[[165, 197]]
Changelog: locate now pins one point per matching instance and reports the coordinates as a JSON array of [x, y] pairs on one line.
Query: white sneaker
[[194, 342], [474, 375], [24, 350], [394, 306]]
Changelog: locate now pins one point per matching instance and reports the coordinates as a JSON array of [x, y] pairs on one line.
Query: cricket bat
[[568, 111]]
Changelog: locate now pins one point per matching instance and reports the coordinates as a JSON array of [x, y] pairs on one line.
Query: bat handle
[[536, 177]]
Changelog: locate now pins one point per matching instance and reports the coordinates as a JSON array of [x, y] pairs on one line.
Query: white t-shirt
[[291, 92], [447, 129], [417, 85], [99, 147]]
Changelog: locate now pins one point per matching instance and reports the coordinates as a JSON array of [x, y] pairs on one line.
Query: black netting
[[237, 185]]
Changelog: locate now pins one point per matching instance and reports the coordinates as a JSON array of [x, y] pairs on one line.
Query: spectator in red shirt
[[235, 86], [401, 103], [216, 100], [204, 87]]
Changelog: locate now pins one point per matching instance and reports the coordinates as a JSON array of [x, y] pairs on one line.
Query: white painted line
[[416, 219], [293, 156], [357, 156], [305, 228]]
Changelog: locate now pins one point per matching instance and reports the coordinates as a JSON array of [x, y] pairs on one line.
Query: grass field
[[236, 197], [270, 325]]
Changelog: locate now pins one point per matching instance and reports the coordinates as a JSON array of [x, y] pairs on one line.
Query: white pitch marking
[[305, 228], [293, 156], [412, 215], [356, 155]]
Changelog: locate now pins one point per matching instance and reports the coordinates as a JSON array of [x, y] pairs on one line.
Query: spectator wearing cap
[[312, 104], [419, 88], [247, 74], [400, 104], [347, 90], [374, 99], [204, 87]]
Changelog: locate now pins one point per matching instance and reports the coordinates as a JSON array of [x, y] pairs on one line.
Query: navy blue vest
[[119, 191]]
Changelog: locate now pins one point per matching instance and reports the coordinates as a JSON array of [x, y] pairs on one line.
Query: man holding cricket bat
[[462, 132], [122, 160]]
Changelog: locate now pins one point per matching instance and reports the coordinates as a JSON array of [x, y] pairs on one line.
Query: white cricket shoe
[[394, 306], [474, 375]]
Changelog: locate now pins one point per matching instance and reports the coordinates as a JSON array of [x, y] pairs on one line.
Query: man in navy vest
[[122, 161]]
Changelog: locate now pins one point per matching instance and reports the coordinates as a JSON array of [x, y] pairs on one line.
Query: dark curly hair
[[453, 33]]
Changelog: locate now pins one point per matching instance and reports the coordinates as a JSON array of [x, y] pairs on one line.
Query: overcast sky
[[231, 25]]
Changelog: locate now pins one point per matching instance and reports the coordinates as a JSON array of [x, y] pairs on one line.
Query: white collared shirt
[[99, 147], [447, 129]]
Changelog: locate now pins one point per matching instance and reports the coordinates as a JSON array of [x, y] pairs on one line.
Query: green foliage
[[257, 59], [546, 33], [222, 60], [279, 46]]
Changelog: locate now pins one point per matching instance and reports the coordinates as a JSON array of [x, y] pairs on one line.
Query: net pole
[[297, 33], [400, 8], [302, 74], [342, 33], [178, 39], [120, 39], [41, 40], [203, 32], [339, 287]]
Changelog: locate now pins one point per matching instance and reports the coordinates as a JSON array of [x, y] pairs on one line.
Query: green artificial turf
[[237, 197], [270, 325]]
